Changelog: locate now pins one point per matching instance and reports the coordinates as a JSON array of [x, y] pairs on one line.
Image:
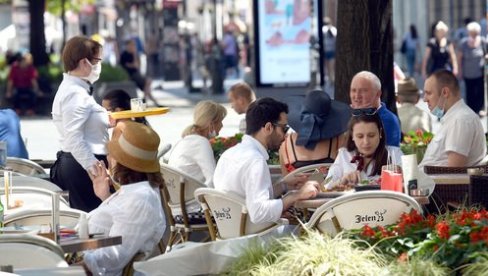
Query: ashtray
[[419, 192]]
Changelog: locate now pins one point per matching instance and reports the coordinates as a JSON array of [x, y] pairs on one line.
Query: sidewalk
[[42, 137]]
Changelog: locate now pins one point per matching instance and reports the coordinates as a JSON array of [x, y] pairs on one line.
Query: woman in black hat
[[319, 128]]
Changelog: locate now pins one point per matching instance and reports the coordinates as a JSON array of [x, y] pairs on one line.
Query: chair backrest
[[355, 210], [477, 191], [452, 170], [33, 190], [24, 166], [30, 251], [67, 218], [229, 212], [323, 168], [32, 181], [179, 185]]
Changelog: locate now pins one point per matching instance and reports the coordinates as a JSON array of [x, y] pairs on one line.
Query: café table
[[71, 245]]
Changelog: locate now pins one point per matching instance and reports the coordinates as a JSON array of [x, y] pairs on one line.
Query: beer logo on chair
[[222, 214], [376, 217]]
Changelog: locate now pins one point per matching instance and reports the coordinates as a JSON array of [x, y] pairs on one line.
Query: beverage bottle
[[83, 227]]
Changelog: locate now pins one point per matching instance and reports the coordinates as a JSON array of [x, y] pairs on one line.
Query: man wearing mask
[[365, 94], [243, 170], [460, 141]]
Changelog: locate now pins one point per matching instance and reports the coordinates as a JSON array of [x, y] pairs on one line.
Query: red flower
[[442, 230], [368, 231]]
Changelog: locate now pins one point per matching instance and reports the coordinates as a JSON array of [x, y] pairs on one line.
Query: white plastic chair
[[42, 192], [30, 251], [230, 214], [310, 169], [32, 181], [67, 218], [24, 166], [178, 193], [355, 210]]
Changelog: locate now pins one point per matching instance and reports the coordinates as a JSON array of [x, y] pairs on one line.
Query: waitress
[[82, 124]]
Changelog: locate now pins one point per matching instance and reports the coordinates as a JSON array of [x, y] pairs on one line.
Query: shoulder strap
[[293, 147], [330, 147]]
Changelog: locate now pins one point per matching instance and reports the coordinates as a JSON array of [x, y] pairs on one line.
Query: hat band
[[132, 150]]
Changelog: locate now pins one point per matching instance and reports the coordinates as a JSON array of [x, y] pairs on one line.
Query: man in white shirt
[[240, 97], [243, 170], [460, 140]]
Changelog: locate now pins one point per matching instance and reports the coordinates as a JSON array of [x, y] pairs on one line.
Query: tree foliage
[[55, 6]]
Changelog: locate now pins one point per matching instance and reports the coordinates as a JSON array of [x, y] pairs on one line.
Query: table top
[[450, 179], [76, 245], [322, 198]]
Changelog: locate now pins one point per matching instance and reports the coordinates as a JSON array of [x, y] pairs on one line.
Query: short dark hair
[[381, 153], [445, 78], [263, 111], [78, 48], [118, 98]]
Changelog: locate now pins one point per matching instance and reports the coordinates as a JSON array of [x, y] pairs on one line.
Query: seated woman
[[133, 165], [364, 155], [319, 132]]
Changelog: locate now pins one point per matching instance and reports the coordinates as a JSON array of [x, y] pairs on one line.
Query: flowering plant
[[221, 144], [415, 142], [452, 240]]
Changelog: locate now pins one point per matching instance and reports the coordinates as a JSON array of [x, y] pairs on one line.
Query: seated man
[[411, 117], [460, 140], [242, 169], [240, 97], [10, 132], [365, 92]]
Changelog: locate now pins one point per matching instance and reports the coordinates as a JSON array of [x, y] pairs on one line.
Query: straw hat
[[135, 146], [407, 86]]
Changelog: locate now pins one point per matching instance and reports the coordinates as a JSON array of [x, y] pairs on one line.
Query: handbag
[[403, 49]]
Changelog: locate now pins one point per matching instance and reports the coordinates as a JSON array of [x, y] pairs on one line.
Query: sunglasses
[[364, 111], [284, 127]]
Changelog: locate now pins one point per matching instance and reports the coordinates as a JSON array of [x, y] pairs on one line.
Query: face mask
[[438, 111], [95, 72], [212, 134]]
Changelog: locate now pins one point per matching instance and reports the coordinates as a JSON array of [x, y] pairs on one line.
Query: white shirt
[[413, 118], [460, 132], [342, 165], [243, 170], [133, 212], [80, 121], [193, 155]]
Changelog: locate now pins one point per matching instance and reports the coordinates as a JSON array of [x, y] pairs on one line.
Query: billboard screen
[[283, 46]]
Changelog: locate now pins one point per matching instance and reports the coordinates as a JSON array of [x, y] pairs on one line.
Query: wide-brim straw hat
[[330, 117], [135, 146], [407, 86]]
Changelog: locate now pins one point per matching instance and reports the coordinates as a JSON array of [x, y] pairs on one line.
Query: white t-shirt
[[461, 132]]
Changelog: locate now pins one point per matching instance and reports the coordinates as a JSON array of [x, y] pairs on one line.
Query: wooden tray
[[126, 114]]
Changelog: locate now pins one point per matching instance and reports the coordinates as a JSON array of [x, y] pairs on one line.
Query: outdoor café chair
[[32, 181], [30, 251], [67, 218], [24, 166], [355, 210], [42, 193], [177, 194], [316, 172], [230, 214]]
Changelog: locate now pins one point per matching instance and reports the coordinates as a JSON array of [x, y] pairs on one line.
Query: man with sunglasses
[[243, 169], [365, 94], [460, 140]]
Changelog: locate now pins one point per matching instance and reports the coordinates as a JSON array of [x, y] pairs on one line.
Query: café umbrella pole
[[485, 73]]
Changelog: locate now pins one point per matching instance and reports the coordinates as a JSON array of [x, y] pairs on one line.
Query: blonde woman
[[193, 154], [440, 51]]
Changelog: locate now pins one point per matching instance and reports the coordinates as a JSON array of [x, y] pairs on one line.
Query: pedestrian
[[440, 51], [82, 124], [410, 47]]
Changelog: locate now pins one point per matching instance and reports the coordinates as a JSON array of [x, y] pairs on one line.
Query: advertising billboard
[[283, 33]]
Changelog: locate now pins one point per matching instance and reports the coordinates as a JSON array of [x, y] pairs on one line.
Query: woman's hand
[[351, 179], [100, 179]]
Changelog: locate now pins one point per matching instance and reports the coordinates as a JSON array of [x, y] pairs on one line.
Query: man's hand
[[309, 190], [297, 181]]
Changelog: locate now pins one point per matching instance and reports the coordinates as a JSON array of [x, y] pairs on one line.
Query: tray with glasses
[[127, 114]]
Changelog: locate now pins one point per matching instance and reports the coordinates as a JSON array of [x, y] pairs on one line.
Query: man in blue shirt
[[365, 92], [10, 132]]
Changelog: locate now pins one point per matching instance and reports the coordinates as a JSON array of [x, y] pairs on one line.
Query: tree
[[365, 42], [37, 37]]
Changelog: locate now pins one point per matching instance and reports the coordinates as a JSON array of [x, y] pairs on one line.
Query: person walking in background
[[82, 124], [10, 133], [231, 51], [440, 51], [319, 128], [129, 60], [22, 86], [330, 34], [471, 55], [411, 117], [411, 45], [240, 97]]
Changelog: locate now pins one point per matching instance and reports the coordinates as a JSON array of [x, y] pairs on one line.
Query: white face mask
[[212, 134], [95, 72]]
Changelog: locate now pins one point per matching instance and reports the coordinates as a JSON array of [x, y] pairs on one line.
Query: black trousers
[[69, 175], [475, 93]]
